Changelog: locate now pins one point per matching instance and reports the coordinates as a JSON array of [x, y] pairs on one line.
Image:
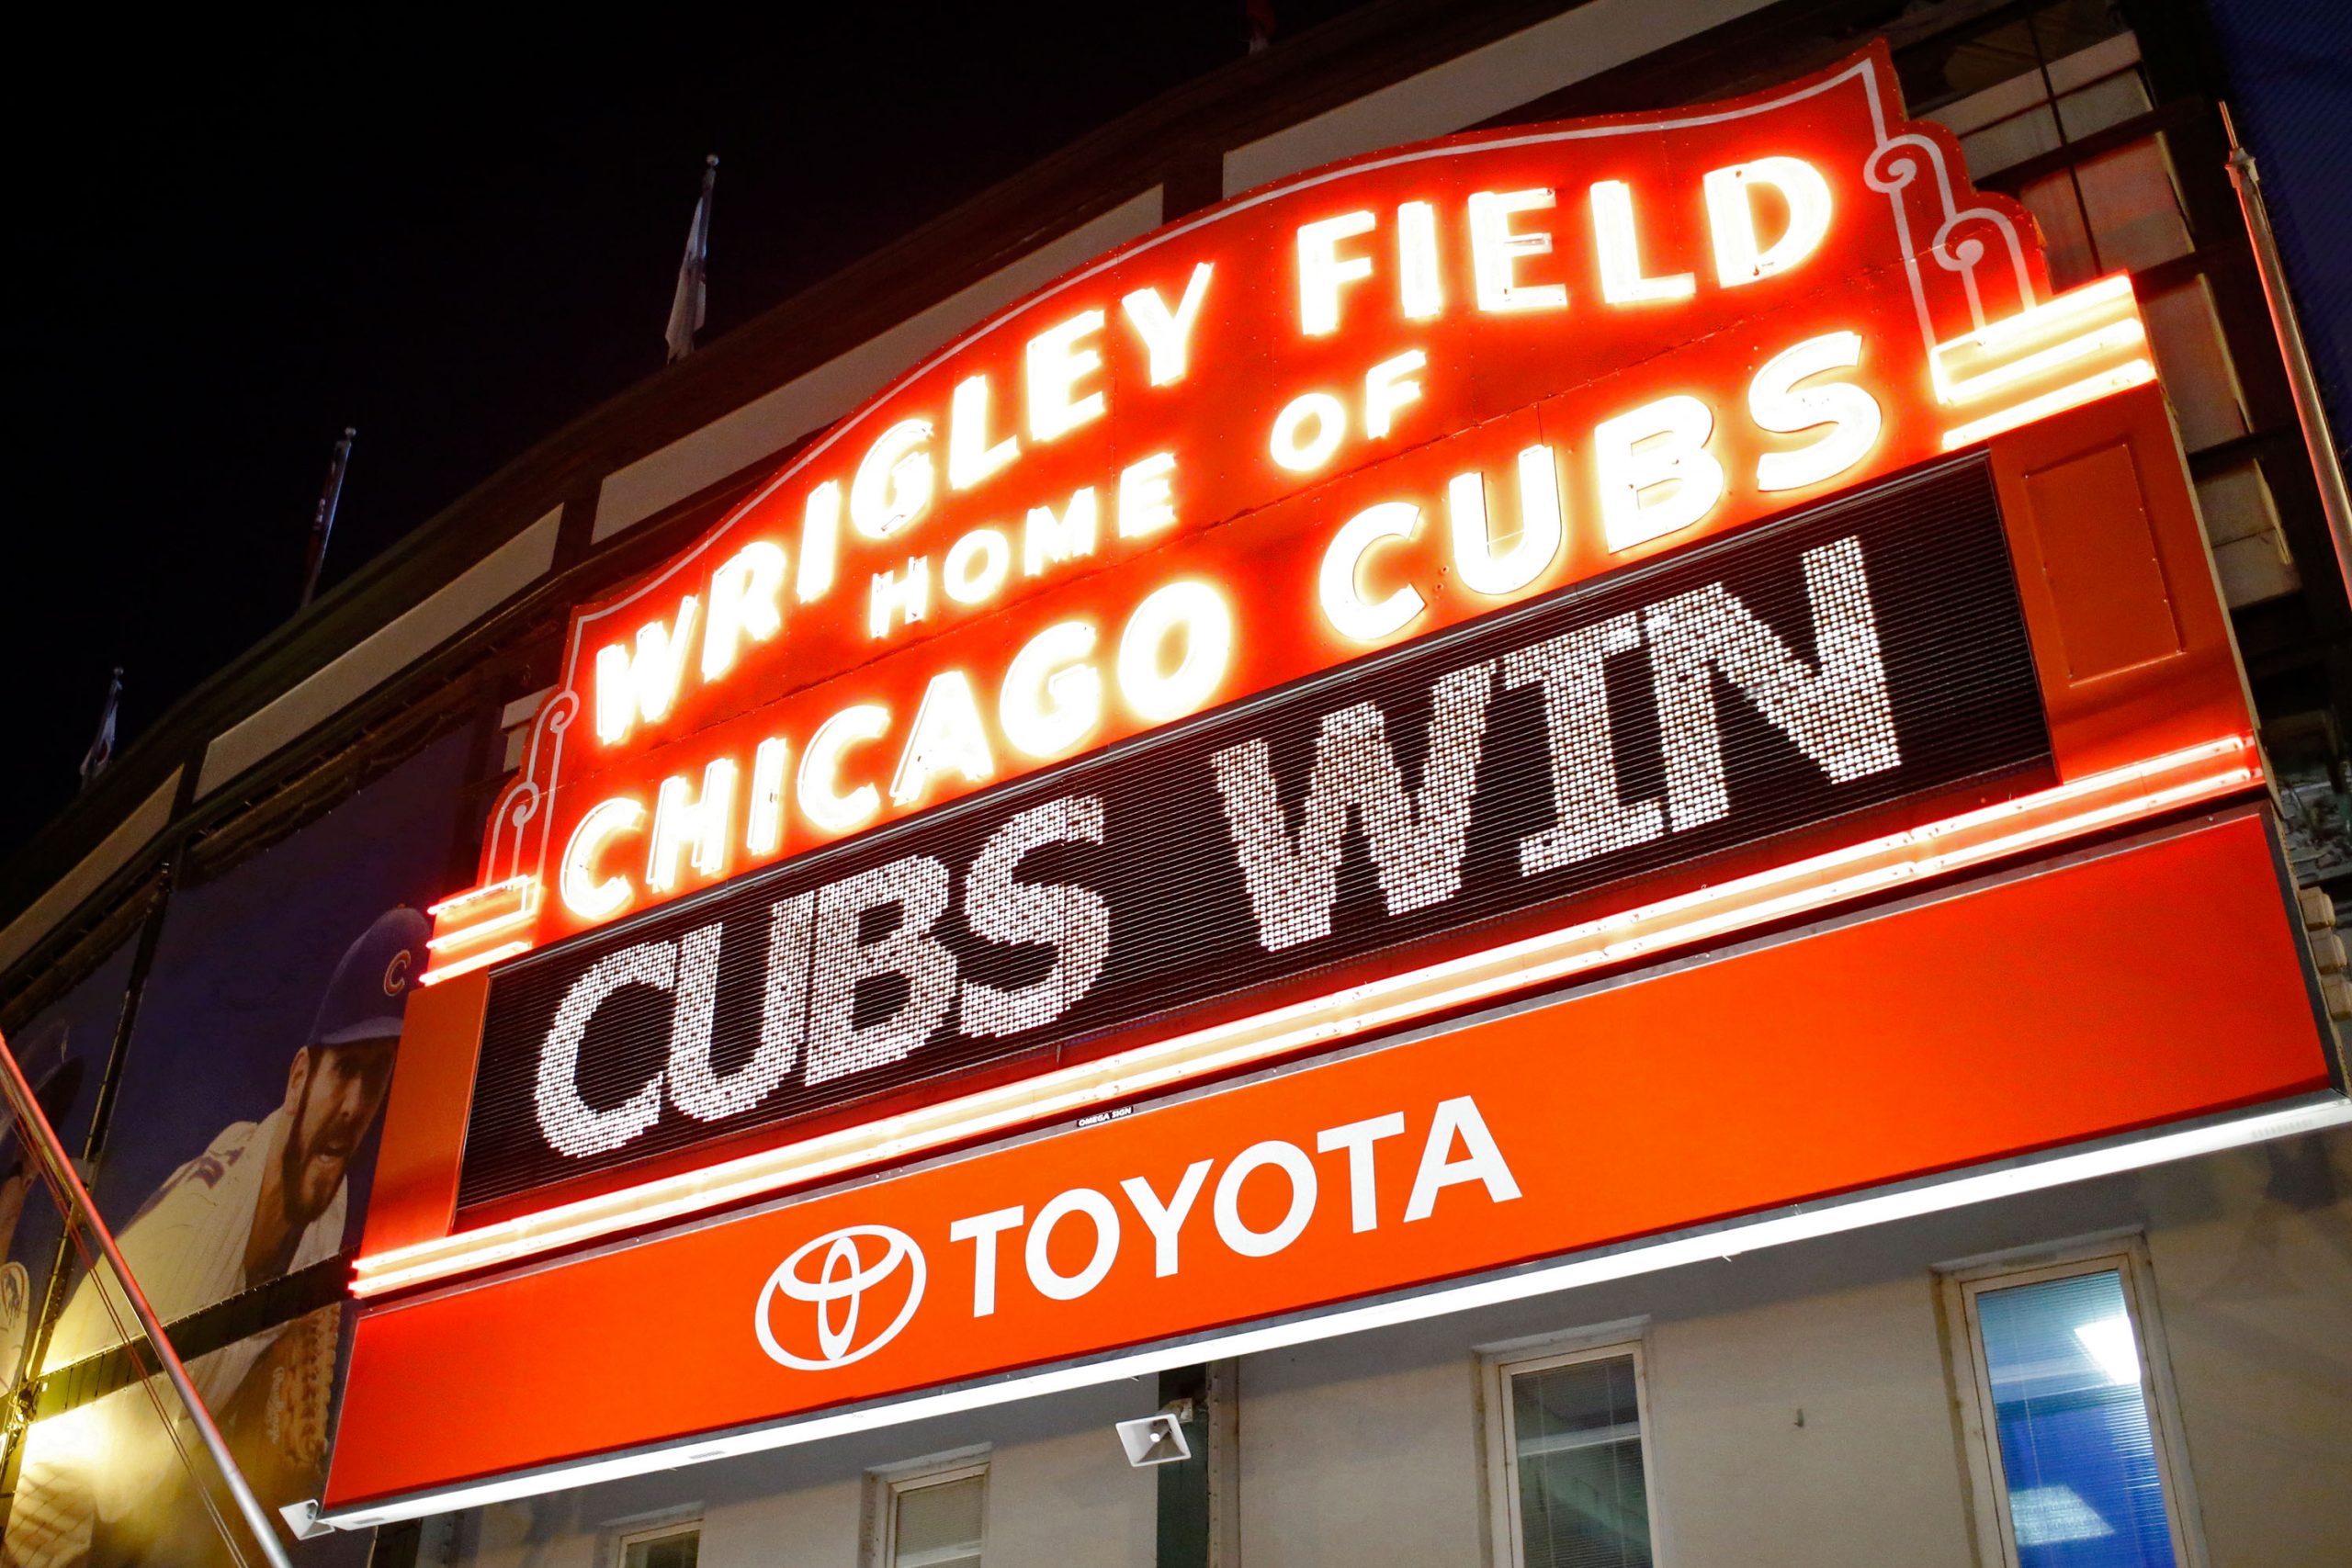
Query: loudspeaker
[[1158, 1437]]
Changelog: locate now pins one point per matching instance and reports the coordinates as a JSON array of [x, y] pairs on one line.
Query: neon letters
[[1365, 405]]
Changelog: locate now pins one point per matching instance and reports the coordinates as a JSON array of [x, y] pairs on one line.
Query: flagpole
[[76, 1199], [2310, 412], [322, 521]]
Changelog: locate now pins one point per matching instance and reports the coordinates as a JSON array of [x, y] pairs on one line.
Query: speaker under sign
[[1646, 724]]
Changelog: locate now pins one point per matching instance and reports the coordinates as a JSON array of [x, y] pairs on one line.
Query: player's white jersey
[[186, 1248], [94, 1466]]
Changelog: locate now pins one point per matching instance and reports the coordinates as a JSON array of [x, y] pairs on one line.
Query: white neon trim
[[1736, 1236], [1969, 389], [467, 935], [2134, 373], [472, 962], [2047, 316], [467, 932], [2155, 784], [520, 886]]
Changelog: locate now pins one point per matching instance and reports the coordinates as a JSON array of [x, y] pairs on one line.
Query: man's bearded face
[[340, 1098]]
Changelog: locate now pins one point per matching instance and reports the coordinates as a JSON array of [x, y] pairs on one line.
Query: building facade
[[655, 1026]]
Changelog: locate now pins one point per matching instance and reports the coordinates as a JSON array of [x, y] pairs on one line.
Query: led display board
[[1866, 650]]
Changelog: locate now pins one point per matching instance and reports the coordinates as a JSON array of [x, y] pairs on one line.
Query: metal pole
[[322, 521], [35, 1122], [2327, 467]]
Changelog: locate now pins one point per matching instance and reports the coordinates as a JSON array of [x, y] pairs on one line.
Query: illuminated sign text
[[1864, 652]]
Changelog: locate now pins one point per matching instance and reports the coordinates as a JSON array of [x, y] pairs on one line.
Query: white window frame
[[650, 1535], [886, 1485], [1497, 1365], [2125, 1257]]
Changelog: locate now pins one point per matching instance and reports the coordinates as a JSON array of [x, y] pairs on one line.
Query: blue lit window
[[2080, 1450]]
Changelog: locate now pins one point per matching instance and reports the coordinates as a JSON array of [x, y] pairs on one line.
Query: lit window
[[931, 1517], [2070, 1440], [672, 1546], [1573, 1490]]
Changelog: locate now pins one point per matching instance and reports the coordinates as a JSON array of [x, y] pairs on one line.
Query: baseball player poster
[[62, 1049], [234, 1173]]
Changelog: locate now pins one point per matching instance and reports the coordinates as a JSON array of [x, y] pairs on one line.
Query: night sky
[[230, 240]]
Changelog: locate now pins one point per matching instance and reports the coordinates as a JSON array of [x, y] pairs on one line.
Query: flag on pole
[[101, 750], [322, 520], [1262, 24], [687, 304]]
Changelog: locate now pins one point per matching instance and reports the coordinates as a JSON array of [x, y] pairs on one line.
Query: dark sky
[[230, 240]]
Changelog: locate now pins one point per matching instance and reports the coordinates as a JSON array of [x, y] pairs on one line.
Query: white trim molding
[[113, 853], [407, 638]]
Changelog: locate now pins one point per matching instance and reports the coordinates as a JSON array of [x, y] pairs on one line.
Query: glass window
[[2242, 522], [935, 1520], [1972, 56], [1579, 1488], [2063, 1376], [2011, 121], [2193, 361], [2134, 204], [673, 1546]]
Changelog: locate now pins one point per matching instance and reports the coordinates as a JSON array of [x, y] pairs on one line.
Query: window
[[2072, 1441], [1570, 1471], [2060, 136], [932, 1515], [671, 1546]]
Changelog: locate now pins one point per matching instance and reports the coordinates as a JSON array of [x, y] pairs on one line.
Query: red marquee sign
[[1353, 492], [1204, 667], [1341, 413]]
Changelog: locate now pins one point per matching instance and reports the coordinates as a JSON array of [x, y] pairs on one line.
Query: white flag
[[101, 750], [687, 304]]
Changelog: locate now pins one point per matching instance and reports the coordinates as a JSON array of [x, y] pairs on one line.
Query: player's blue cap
[[370, 988]]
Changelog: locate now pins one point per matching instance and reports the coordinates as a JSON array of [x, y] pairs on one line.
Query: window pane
[[663, 1551], [939, 1527], [2104, 102], [2134, 205], [2193, 358], [2076, 1451], [2242, 522], [2066, 242], [1576, 1438]]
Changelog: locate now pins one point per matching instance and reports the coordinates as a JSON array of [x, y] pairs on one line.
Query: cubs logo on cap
[[368, 993]]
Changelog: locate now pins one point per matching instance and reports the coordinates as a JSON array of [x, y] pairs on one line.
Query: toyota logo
[[849, 1266]]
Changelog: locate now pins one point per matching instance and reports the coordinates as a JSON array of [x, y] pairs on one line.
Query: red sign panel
[[1342, 413], [1919, 1039]]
